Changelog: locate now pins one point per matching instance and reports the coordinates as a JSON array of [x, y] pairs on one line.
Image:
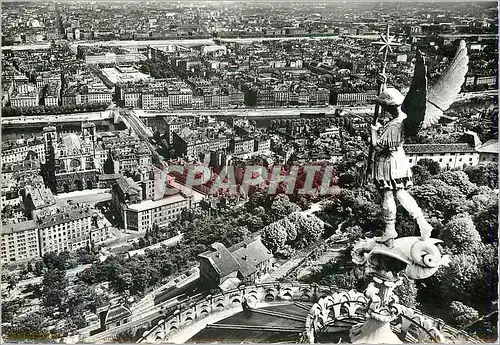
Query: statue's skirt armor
[[392, 170]]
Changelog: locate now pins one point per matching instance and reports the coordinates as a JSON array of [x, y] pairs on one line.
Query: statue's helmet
[[390, 97]]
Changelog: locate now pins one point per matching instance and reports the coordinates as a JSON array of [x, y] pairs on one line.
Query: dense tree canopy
[[460, 234], [54, 285], [462, 314], [483, 175]]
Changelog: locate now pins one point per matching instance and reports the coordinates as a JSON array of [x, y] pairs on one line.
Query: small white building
[[449, 156], [488, 152]]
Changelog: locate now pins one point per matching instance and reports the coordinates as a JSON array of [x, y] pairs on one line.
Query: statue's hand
[[381, 78], [376, 126]]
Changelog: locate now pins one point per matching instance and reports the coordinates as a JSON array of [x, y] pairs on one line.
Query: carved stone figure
[[420, 259], [420, 109], [388, 258]]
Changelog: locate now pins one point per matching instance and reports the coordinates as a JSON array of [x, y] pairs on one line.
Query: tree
[[254, 222], [9, 309], [290, 227], [309, 229], [420, 174], [462, 314], [39, 268], [360, 207], [53, 260], [85, 256], [109, 164], [462, 280], [30, 326], [483, 175], [484, 210], [432, 166], [341, 272], [82, 299], [282, 207], [12, 281], [407, 293], [124, 337], [460, 234], [439, 199], [458, 179], [353, 233], [274, 236], [54, 285]]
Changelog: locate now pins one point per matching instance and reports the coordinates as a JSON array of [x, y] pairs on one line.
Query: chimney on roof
[[244, 258]]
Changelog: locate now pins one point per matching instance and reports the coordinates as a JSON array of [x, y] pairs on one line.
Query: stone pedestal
[[381, 311], [373, 332]]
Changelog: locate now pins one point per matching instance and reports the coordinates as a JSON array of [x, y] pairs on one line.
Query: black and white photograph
[[249, 171]]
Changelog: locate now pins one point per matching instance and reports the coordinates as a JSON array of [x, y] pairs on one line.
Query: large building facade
[[53, 229], [20, 242], [449, 156], [149, 202], [18, 152]]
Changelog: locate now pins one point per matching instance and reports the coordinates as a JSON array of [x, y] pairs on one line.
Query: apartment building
[[18, 151], [152, 201], [20, 242], [54, 229], [142, 216], [69, 228]]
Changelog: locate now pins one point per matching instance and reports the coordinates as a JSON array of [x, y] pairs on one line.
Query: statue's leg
[[389, 207], [414, 210]]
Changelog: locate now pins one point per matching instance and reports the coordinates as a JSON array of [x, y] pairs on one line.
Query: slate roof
[[243, 257], [115, 313], [63, 215], [221, 259], [72, 143], [128, 186], [41, 197], [250, 253], [438, 148]]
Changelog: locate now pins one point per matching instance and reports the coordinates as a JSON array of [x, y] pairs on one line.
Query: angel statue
[[420, 109]]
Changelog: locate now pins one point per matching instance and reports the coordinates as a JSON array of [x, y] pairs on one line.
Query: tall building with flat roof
[[20, 242], [142, 216], [64, 230], [152, 201], [69, 228]]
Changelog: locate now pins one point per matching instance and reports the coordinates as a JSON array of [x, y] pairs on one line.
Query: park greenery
[[295, 231], [137, 275], [63, 303]]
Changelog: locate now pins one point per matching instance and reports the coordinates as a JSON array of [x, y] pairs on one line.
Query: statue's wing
[[414, 104], [442, 94]]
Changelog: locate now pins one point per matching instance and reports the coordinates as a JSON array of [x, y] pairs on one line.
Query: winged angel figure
[[420, 109]]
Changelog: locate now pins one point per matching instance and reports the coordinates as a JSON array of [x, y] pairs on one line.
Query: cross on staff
[[386, 43]]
